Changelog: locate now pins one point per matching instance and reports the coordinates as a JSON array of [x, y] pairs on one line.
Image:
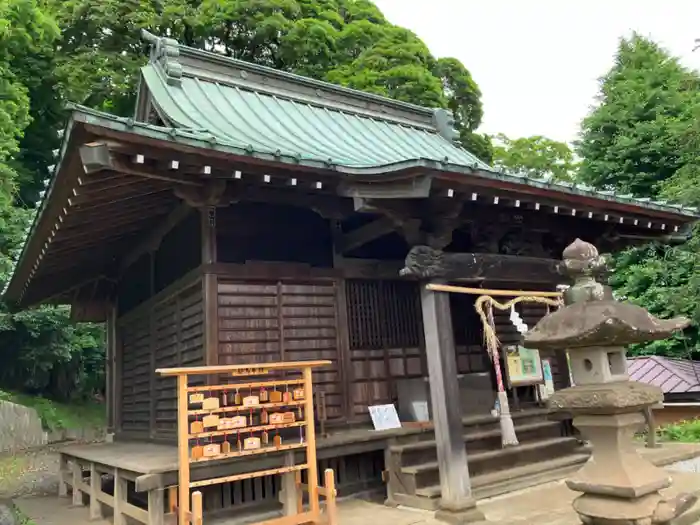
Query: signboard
[[546, 389], [547, 374], [523, 366], [384, 417]]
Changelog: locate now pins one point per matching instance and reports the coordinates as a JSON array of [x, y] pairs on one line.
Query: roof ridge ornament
[[444, 123], [165, 52]]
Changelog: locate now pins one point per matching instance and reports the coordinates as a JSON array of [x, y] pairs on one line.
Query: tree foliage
[[665, 280], [41, 351], [536, 157], [637, 137], [643, 138]]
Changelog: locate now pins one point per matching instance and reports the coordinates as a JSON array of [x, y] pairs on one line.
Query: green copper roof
[[272, 124], [264, 113]]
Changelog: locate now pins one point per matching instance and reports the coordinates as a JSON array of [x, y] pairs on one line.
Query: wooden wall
[[263, 309], [166, 332], [160, 324], [270, 320]]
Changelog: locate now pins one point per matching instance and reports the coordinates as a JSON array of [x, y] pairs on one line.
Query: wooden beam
[[486, 291], [366, 234], [52, 286], [153, 238], [424, 262], [96, 156], [457, 504]]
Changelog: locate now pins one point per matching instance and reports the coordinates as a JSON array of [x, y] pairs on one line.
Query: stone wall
[[20, 427]]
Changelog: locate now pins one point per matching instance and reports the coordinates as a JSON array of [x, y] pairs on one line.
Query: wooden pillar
[[117, 362], [651, 426], [109, 371], [77, 472], [209, 286], [156, 506], [95, 492], [183, 453], [152, 343], [288, 494], [120, 494], [63, 472], [457, 503], [112, 371]]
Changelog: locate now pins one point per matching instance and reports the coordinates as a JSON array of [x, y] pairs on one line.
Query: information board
[[384, 417], [523, 366]]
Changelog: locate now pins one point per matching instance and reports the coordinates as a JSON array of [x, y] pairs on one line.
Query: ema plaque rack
[[247, 418]]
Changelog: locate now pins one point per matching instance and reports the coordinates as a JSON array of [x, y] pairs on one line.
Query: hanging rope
[[486, 303], [484, 306], [493, 350]]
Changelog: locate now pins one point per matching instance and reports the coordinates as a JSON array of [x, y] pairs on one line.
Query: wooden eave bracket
[[99, 156], [430, 223], [406, 188], [210, 194], [366, 234]]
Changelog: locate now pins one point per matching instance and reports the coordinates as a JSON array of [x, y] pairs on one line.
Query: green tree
[[26, 35], [537, 157], [643, 138], [636, 138], [666, 281], [42, 351]]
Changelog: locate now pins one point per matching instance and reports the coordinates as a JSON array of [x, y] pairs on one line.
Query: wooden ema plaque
[[212, 449], [211, 420], [210, 403], [196, 427], [280, 418], [275, 397], [251, 443], [196, 398], [228, 423], [251, 401]]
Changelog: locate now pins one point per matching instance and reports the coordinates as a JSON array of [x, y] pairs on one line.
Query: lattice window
[[465, 320], [383, 314]]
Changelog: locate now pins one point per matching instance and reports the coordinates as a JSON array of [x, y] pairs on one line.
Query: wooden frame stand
[[231, 420]]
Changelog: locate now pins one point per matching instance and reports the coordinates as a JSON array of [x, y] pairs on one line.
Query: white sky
[[537, 61]]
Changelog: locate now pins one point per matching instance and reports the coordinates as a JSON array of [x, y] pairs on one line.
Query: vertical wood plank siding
[[173, 330], [273, 320]]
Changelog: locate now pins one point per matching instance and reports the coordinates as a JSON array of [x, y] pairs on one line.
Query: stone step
[[425, 451], [480, 423], [414, 477], [501, 482]]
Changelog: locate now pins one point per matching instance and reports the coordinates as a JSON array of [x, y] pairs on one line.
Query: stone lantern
[[618, 486]]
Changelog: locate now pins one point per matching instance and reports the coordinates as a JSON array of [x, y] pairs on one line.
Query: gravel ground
[[32, 472], [691, 465]]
